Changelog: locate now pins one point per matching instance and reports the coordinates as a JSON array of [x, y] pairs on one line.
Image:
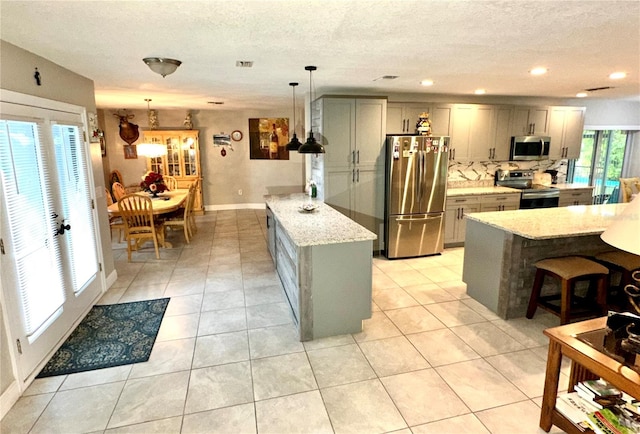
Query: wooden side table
[[587, 362]]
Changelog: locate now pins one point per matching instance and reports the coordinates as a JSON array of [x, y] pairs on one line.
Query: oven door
[[538, 200]]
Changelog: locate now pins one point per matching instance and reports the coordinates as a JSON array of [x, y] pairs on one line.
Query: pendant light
[[294, 144], [311, 146]]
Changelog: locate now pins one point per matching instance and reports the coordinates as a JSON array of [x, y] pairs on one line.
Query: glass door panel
[[173, 156], [189, 156]]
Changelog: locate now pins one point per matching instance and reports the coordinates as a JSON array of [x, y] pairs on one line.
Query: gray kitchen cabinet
[[473, 132], [502, 134], [454, 223], [457, 207], [530, 121], [576, 196], [403, 117], [566, 125], [352, 129]]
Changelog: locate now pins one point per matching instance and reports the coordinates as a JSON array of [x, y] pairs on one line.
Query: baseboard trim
[[8, 398], [111, 279], [233, 206]]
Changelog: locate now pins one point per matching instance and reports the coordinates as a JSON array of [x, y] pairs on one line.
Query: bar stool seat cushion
[[570, 267], [626, 260]]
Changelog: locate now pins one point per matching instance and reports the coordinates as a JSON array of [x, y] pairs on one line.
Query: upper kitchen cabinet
[[473, 131], [402, 117], [565, 129], [529, 121], [352, 130], [182, 160]]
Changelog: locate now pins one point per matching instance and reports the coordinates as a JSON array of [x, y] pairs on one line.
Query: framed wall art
[[130, 152], [268, 138]]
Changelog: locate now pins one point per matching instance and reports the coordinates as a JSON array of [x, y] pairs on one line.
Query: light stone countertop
[[324, 225], [467, 191], [546, 223]]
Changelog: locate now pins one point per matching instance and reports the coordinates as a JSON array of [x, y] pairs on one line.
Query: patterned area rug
[[110, 335]]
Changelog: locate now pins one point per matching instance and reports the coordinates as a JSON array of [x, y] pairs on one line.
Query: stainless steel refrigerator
[[416, 188]]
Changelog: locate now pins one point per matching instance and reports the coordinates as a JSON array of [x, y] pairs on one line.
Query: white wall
[[223, 177]]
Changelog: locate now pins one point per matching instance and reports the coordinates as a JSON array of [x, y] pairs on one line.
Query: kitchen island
[[501, 249], [324, 261]]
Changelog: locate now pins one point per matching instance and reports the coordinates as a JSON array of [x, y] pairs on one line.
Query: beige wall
[[59, 84], [223, 177]]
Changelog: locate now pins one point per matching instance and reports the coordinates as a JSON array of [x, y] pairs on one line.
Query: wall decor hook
[[37, 76]]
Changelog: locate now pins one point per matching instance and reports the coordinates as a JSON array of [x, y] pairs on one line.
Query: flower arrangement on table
[[152, 182]]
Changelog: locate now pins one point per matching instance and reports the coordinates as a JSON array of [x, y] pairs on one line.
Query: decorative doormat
[[110, 335]]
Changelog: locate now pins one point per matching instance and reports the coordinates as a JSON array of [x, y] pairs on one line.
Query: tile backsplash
[[481, 173]]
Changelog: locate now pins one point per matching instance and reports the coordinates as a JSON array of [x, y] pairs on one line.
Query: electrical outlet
[[240, 192]]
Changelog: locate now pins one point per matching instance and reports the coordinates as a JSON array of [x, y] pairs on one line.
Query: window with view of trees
[[600, 163]]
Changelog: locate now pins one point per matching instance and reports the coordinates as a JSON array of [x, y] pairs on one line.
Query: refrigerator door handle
[[403, 219]]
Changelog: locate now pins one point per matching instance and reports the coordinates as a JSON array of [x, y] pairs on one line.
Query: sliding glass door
[[600, 163]]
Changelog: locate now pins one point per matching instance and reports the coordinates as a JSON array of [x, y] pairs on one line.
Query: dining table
[[163, 203]]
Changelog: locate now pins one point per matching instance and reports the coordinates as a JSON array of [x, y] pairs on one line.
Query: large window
[[600, 163]]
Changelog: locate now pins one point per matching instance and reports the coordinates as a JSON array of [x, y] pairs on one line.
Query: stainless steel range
[[533, 195]]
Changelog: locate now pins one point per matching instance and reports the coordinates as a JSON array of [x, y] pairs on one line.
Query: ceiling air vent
[[215, 102], [594, 89], [244, 63]]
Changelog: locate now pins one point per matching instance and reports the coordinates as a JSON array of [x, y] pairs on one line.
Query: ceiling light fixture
[[581, 94], [162, 65], [480, 91], [152, 150], [294, 144], [427, 82], [538, 71], [311, 146], [617, 75]]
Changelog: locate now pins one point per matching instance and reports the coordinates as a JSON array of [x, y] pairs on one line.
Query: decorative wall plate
[[236, 135]]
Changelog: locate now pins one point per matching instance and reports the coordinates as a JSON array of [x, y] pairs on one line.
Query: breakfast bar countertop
[[548, 223], [324, 225]]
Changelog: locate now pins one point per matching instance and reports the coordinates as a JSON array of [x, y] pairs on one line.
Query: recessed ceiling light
[[581, 94], [427, 82], [617, 75], [538, 71], [479, 91]]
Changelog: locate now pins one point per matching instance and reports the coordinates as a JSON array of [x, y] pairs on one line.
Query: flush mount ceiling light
[[479, 91], [311, 146], [538, 71], [617, 75], [162, 65], [427, 82], [581, 94], [294, 144]]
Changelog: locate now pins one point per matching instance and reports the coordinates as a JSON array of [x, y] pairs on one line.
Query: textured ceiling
[[460, 45]]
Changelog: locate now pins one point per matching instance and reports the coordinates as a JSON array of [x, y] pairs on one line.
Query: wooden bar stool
[[625, 263], [568, 270]]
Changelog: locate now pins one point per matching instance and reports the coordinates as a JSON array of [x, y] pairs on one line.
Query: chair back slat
[[118, 191]]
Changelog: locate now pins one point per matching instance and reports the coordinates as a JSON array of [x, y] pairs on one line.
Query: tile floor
[[226, 360]]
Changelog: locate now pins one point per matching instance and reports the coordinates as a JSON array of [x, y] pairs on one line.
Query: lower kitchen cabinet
[[454, 223], [458, 207], [576, 196]]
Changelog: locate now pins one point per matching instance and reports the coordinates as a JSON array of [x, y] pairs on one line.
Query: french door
[[50, 266]]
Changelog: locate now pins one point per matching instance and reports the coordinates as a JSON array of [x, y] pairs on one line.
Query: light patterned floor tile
[[235, 419], [465, 424], [339, 365], [521, 417], [393, 356], [219, 386], [486, 339], [299, 413], [414, 320], [218, 349], [281, 375], [442, 347]]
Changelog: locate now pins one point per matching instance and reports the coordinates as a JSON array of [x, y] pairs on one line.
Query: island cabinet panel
[[324, 261], [530, 121], [352, 130], [271, 234], [566, 125]]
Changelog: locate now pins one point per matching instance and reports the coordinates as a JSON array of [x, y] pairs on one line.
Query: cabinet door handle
[[353, 157], [358, 156], [353, 175], [357, 175]]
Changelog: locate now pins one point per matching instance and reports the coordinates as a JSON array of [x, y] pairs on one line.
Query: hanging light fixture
[[311, 146], [294, 144], [152, 150], [162, 65]]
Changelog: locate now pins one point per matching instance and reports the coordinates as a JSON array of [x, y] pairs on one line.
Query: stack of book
[[599, 406]]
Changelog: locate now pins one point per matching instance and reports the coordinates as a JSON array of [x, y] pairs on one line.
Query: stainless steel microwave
[[525, 148]]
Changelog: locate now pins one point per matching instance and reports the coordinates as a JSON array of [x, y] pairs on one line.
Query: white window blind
[[27, 191], [76, 198]]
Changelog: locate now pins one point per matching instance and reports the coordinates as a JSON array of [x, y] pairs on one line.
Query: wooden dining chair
[[171, 182], [115, 222], [118, 191], [137, 214], [192, 217], [629, 187], [181, 217]]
